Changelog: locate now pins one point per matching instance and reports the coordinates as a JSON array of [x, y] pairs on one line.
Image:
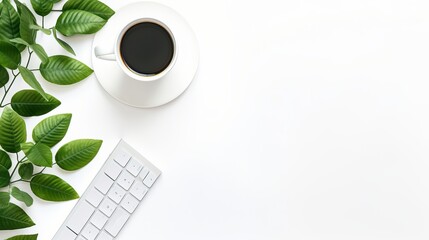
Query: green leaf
[[52, 188], [28, 103], [4, 177], [93, 6], [5, 160], [77, 154], [39, 154], [52, 130], [31, 80], [9, 24], [27, 19], [4, 199], [26, 170], [4, 76], [62, 43], [42, 7], [40, 51], [13, 217], [43, 30], [21, 196], [63, 70], [19, 5], [19, 41], [74, 22], [10, 57], [12, 131], [24, 237]]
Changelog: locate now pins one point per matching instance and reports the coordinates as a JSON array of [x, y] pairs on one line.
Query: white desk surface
[[307, 120]]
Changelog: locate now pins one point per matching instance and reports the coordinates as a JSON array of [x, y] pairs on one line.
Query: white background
[[307, 119]]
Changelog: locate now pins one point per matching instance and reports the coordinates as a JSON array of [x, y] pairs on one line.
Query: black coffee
[[147, 48]]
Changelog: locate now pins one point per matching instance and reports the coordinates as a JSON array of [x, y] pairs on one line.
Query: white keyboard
[[111, 198]]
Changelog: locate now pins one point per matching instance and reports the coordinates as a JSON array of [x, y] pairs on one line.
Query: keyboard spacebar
[[80, 216], [117, 221]]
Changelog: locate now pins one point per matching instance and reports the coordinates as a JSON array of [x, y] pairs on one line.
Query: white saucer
[[155, 93]]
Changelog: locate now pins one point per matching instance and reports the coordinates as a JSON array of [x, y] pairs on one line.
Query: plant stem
[[29, 57], [19, 161], [22, 180], [22, 159], [8, 89], [43, 21], [14, 169], [41, 171], [19, 180]]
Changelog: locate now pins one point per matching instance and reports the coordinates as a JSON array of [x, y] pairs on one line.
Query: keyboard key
[[125, 180], [134, 167], [103, 183], [116, 193], [117, 221], [65, 234], [81, 215], [90, 232], [150, 179], [80, 238], [94, 197], [130, 203], [99, 219], [122, 157], [144, 172], [138, 190], [107, 207], [104, 236], [113, 170]]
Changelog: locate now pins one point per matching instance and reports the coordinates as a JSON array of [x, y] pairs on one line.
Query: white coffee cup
[[113, 53]]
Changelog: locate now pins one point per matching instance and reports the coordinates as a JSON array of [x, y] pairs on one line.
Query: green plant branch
[[30, 53], [14, 169], [19, 180], [23, 180], [41, 171], [29, 57], [68, 27], [18, 161], [8, 89], [2, 106], [22, 159]]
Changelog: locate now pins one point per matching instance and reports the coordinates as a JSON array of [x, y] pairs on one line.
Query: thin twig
[[29, 57], [2, 106], [14, 78], [19, 180], [8, 88], [14, 169], [41, 171], [22, 159]]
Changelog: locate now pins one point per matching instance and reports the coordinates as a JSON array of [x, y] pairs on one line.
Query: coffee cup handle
[[105, 53]]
